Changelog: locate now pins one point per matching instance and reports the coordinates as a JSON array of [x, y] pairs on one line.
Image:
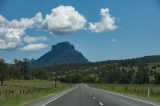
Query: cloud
[[12, 32], [63, 20], [23, 23], [2, 19], [77, 44], [31, 39], [34, 47], [113, 40], [38, 19], [107, 22], [10, 36]]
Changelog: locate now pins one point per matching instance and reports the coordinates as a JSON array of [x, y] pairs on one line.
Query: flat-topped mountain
[[61, 53]]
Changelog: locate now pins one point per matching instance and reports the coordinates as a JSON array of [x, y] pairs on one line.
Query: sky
[[100, 29]]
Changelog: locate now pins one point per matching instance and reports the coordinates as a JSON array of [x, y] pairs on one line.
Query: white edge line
[[128, 97], [101, 103], [94, 97], [58, 96]]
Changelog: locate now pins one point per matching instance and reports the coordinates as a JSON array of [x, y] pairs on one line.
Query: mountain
[[61, 53]]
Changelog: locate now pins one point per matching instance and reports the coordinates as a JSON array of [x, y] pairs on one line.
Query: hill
[[61, 53]]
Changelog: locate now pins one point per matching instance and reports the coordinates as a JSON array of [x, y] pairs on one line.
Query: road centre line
[[101, 103], [94, 97]]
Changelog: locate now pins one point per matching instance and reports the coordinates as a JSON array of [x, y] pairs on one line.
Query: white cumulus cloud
[[10, 36], [107, 22], [34, 47], [12, 32], [31, 39], [63, 20], [23, 23]]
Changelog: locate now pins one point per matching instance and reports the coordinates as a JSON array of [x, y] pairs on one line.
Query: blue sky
[[134, 33]]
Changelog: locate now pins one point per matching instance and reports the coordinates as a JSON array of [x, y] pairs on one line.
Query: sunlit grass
[[16, 98]]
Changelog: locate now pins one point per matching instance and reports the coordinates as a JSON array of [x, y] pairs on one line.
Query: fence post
[[0, 95], [148, 93]]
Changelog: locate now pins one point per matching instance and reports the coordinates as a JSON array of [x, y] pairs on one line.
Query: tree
[[157, 77], [2, 71], [142, 75], [22, 67]]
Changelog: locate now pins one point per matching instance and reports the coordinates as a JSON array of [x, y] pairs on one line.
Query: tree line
[[144, 70], [20, 70]]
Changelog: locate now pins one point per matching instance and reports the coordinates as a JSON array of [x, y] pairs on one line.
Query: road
[[83, 95]]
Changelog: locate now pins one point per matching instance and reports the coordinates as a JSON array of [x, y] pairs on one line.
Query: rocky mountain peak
[[61, 53], [61, 47]]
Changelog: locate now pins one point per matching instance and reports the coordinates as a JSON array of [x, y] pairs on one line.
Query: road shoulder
[[132, 97], [44, 100]]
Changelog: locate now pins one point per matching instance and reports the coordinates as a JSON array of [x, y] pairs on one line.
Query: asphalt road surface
[[86, 96]]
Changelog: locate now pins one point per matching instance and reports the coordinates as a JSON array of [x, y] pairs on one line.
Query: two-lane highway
[[77, 97], [83, 95]]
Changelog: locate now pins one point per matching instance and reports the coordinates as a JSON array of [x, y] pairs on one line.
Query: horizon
[[116, 30], [82, 54]]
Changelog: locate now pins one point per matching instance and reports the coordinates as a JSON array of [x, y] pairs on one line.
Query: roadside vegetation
[[20, 82], [18, 92], [145, 70]]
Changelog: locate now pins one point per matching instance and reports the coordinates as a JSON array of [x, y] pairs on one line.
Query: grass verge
[[21, 92]]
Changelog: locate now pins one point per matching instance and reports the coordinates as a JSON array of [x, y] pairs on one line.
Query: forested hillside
[[145, 70]]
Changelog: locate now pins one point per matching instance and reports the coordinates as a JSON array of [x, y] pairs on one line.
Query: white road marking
[[58, 96], [90, 94], [94, 97], [101, 103], [128, 97]]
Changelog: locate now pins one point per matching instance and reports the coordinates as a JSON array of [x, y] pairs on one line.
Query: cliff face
[[61, 53]]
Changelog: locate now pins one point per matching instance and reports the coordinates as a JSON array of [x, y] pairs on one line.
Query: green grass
[[16, 99], [131, 89]]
